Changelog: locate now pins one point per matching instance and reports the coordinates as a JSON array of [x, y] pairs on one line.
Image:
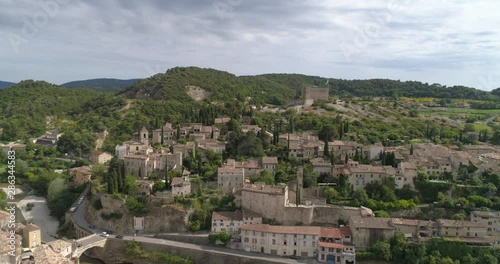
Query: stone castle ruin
[[310, 94]]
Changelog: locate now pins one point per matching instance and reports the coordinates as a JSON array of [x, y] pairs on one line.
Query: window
[[314, 243], [304, 243], [245, 240], [274, 241]]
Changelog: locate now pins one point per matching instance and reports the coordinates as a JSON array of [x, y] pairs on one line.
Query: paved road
[[226, 251], [79, 214], [90, 240], [40, 216]]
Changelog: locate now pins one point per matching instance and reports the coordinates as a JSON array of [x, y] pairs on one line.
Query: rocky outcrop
[[114, 216]]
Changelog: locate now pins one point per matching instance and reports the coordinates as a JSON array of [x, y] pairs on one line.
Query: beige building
[[180, 186], [366, 231], [81, 175], [32, 236], [343, 148], [269, 201], [211, 145], [229, 177], [488, 218], [169, 135], [269, 163], [456, 228], [142, 166], [361, 174], [100, 157], [233, 221], [321, 166], [280, 240], [185, 149], [145, 187]]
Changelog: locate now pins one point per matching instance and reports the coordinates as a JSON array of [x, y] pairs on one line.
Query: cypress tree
[[411, 149], [162, 140], [115, 182], [326, 150]]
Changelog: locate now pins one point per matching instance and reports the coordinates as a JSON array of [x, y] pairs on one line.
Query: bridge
[[87, 242]]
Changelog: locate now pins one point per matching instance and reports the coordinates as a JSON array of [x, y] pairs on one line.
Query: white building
[[280, 240]]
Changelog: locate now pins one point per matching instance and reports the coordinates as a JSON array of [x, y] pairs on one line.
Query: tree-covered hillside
[[103, 84], [220, 85], [27, 105], [277, 89], [5, 84], [381, 87]]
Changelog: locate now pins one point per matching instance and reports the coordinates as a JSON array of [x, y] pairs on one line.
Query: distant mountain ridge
[[5, 84], [101, 84]]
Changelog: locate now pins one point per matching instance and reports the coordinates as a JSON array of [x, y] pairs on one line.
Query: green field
[[466, 112]]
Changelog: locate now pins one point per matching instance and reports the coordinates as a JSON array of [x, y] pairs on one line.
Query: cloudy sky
[[444, 41]]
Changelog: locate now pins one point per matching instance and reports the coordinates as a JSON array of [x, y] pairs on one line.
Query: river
[[88, 260]]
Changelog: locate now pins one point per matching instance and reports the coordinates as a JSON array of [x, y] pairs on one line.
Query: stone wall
[[161, 218], [294, 215], [331, 214]]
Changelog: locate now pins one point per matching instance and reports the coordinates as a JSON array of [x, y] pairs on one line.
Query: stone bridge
[[87, 242]]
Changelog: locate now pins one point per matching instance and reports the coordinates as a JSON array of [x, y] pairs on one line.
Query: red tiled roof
[[299, 230], [330, 233], [331, 245], [345, 231]]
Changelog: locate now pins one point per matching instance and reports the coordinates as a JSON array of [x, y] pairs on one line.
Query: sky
[[451, 42]]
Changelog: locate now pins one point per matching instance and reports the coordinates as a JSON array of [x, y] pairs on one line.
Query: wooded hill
[[277, 89]]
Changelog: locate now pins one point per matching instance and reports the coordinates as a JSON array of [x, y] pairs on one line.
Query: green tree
[[398, 247], [330, 194], [382, 250], [158, 186]]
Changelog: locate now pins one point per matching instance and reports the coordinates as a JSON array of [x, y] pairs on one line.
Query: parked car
[[73, 209], [104, 234], [80, 201], [295, 257], [91, 226], [109, 232], [119, 236]]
